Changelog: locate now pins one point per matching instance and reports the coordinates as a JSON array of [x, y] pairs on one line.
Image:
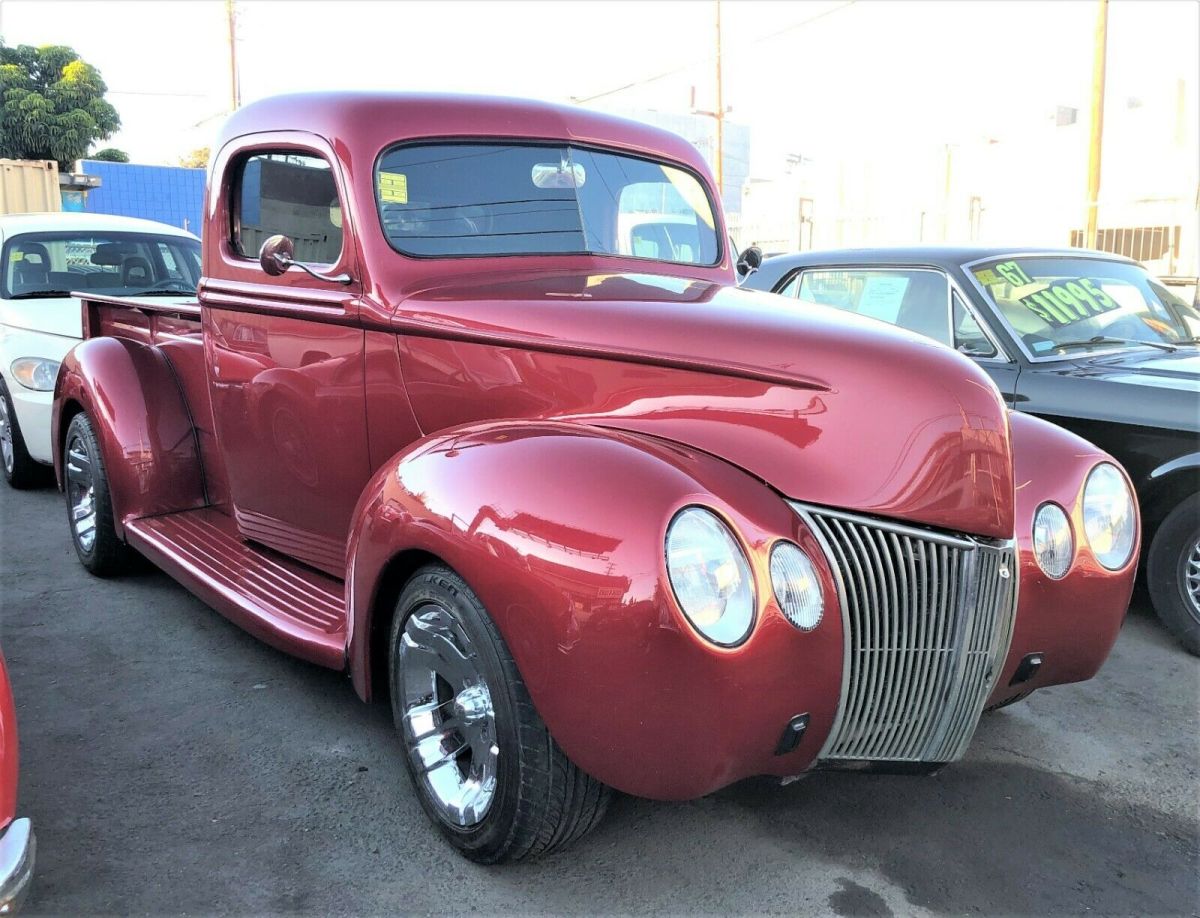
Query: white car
[[43, 258]]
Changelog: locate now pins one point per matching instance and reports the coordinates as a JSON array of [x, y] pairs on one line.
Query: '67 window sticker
[[1061, 302]]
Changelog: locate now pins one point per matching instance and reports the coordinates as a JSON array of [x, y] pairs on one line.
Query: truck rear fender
[[146, 435], [559, 529]]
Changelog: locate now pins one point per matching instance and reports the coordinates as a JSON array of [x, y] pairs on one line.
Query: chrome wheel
[[1191, 578], [6, 435], [81, 493], [449, 722]]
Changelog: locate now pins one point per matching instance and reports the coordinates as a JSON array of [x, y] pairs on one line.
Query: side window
[[291, 194], [917, 299], [791, 288], [968, 336]]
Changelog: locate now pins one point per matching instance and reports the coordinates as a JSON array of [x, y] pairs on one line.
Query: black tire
[[21, 471], [542, 801], [107, 555], [1020, 696], [1166, 572]]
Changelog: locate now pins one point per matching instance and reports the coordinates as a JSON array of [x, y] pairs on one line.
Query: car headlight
[[1108, 518], [35, 372], [1053, 545], [710, 576], [797, 589]]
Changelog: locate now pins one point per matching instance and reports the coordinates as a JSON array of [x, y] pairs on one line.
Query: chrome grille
[[928, 619]]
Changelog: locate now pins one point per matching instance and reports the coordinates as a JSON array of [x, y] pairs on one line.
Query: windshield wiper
[[40, 295], [183, 292], [1104, 339]]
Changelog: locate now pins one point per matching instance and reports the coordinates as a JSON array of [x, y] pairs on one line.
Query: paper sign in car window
[[987, 277], [881, 296], [1065, 302], [393, 188]]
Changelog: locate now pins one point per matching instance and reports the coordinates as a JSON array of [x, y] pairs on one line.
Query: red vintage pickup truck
[[446, 418]]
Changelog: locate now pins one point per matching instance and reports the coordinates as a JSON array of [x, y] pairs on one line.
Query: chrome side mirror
[[748, 262], [278, 254]]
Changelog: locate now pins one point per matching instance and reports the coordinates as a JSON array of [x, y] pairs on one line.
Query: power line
[[666, 73]]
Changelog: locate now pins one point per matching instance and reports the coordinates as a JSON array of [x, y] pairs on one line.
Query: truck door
[[285, 354]]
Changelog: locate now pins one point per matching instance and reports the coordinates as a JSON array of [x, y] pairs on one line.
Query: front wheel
[[89, 503], [1173, 572], [21, 471], [482, 762]]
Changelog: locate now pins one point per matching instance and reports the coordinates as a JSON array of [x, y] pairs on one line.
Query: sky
[[818, 77]]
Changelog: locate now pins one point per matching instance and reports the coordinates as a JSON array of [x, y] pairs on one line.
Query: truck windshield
[[1061, 305], [52, 264], [439, 200]]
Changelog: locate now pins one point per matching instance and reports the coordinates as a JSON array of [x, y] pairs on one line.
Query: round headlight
[[797, 589], [1108, 519], [710, 576], [35, 372], [1053, 545]]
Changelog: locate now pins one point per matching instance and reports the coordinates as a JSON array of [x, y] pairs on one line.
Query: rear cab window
[[481, 199]]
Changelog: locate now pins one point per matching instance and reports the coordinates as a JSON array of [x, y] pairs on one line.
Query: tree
[[52, 104], [110, 155], [197, 159]]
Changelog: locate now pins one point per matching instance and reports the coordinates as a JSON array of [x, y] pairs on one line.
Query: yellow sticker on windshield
[[393, 188], [987, 277], [16, 255]]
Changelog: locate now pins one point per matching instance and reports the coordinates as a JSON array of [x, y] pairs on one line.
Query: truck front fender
[[559, 530], [1072, 622], [145, 431]]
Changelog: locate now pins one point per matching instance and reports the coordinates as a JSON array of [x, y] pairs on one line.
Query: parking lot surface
[[174, 765]]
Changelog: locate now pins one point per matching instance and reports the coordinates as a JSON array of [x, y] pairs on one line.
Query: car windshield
[[1058, 305], [53, 264], [438, 200]]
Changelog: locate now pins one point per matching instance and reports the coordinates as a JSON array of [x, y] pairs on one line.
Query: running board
[[287, 605]]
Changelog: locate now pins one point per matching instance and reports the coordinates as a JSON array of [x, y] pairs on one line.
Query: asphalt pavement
[[173, 765]]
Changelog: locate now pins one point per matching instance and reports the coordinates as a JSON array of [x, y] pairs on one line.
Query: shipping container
[[29, 186]]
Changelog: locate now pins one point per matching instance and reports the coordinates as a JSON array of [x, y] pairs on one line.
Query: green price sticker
[[1065, 302]]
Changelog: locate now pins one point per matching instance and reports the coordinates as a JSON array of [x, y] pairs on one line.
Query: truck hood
[[824, 406]]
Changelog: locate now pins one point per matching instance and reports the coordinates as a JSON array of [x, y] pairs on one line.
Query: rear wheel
[[1173, 572], [20, 469], [89, 503], [481, 760]]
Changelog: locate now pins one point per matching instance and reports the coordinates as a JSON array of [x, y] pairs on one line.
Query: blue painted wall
[[168, 194]]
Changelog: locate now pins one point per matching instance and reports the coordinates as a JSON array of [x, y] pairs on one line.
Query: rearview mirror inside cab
[[559, 175]]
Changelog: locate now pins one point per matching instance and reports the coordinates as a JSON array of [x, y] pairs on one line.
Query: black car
[[1087, 340]]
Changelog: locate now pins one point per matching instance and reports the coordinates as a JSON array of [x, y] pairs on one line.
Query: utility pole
[[720, 113], [1097, 127], [235, 88]]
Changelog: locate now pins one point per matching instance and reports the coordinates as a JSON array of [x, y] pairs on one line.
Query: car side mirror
[[749, 261], [277, 254]]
